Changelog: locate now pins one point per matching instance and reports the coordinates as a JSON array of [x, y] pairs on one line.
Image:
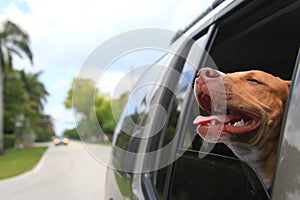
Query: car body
[[60, 140], [237, 36]]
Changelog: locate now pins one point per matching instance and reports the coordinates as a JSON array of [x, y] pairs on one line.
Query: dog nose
[[208, 73]]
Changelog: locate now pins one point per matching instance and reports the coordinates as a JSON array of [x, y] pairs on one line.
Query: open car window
[[267, 44]]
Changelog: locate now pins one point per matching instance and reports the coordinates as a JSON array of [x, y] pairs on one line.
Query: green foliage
[[118, 105], [72, 134], [24, 97], [15, 161], [41, 135], [104, 114], [15, 97], [36, 90], [13, 41], [125, 185], [81, 98], [9, 141], [84, 98], [81, 95]]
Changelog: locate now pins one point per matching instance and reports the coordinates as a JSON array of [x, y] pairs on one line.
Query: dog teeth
[[213, 122], [240, 123]]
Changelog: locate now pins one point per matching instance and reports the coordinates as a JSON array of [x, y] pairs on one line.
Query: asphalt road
[[64, 173]]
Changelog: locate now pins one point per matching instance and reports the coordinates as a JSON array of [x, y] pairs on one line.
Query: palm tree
[[36, 90], [32, 112], [13, 41]]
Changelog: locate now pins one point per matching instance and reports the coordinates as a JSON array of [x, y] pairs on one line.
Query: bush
[[9, 141], [42, 135], [72, 134]]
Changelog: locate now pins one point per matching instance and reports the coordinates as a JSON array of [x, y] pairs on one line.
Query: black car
[[160, 155]]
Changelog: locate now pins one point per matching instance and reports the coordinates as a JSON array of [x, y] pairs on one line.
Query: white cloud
[[109, 81], [64, 33], [62, 83], [62, 118]]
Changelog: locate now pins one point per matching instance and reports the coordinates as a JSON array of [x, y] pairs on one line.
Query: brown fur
[[256, 92]]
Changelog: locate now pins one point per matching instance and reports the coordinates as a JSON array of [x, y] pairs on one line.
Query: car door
[[287, 176], [215, 172]]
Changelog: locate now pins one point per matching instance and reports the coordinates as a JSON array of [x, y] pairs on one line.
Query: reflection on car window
[[136, 112], [178, 97]]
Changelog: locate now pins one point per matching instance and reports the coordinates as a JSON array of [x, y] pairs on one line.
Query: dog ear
[[288, 83]]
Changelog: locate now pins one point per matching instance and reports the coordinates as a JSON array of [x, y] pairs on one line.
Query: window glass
[[128, 132], [176, 105], [137, 107]]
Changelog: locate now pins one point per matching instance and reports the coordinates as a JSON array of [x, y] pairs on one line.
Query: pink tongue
[[205, 119]]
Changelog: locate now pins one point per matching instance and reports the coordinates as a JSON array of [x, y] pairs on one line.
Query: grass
[[15, 162]]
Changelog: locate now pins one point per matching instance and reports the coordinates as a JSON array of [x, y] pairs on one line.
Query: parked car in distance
[[60, 140], [237, 35]]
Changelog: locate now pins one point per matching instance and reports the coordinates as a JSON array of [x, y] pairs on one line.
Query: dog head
[[244, 107], [246, 111]]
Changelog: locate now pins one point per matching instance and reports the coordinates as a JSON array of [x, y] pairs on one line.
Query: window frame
[[148, 187]]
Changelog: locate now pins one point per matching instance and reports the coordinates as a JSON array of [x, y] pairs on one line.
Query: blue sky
[[65, 32], [22, 5]]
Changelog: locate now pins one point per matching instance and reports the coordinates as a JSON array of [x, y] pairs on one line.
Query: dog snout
[[208, 73], [208, 77]]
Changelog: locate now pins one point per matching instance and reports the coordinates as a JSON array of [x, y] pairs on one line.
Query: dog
[[246, 112]]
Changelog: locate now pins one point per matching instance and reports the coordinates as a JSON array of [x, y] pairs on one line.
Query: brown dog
[[246, 111]]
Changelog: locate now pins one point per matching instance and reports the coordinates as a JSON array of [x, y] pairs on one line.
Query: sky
[[64, 33]]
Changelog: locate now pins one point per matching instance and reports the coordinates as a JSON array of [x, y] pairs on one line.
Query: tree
[[103, 108], [94, 109], [45, 129], [15, 97], [81, 98], [13, 41], [36, 97], [36, 90], [24, 98]]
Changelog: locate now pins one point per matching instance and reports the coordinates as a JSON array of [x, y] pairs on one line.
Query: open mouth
[[225, 122]]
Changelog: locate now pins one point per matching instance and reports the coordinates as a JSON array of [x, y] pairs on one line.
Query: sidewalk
[[42, 144]]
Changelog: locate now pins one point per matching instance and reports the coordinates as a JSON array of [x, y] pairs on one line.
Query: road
[[64, 173]]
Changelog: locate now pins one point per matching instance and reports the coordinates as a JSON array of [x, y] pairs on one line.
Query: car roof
[[217, 9]]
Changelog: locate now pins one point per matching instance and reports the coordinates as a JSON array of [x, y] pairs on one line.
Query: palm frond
[[10, 29], [15, 51], [23, 46], [13, 40]]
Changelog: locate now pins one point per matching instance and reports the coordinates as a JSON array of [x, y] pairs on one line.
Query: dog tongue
[[205, 119]]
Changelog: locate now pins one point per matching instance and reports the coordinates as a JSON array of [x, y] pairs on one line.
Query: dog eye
[[252, 80]]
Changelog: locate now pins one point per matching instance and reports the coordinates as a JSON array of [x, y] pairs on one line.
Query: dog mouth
[[224, 122]]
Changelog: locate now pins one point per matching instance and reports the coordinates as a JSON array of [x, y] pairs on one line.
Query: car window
[[287, 179], [176, 104], [219, 163], [276, 39], [201, 173], [134, 117], [175, 109]]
